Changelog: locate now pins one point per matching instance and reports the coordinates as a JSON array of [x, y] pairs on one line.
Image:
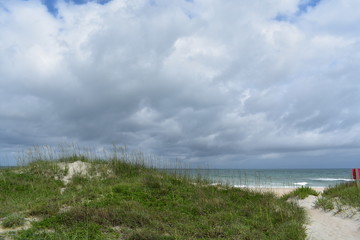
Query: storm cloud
[[224, 83]]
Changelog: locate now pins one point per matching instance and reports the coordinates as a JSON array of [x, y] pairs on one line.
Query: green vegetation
[[122, 198], [340, 197], [302, 193], [325, 203]]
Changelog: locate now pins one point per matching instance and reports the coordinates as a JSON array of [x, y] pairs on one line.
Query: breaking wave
[[332, 179], [301, 183]]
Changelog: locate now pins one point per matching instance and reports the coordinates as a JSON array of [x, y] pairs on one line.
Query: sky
[[226, 84]]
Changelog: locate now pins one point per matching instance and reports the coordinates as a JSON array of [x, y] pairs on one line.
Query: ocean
[[284, 178]]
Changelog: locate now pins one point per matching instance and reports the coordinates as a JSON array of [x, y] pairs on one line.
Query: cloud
[[203, 81]]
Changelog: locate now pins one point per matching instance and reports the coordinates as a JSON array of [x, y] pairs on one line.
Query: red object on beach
[[354, 170]]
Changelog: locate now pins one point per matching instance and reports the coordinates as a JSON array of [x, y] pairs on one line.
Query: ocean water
[[288, 178]]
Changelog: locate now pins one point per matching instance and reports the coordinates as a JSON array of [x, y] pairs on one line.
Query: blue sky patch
[[303, 8], [51, 4], [305, 5], [4, 8]]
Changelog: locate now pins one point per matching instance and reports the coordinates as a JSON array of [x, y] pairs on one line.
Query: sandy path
[[325, 226]]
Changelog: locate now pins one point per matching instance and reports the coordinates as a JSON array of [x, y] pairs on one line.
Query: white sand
[[78, 167]]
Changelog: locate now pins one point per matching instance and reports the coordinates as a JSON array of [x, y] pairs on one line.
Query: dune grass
[[120, 199], [301, 193], [340, 197]]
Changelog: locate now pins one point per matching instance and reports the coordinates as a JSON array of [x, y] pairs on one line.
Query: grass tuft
[[13, 220], [325, 203], [301, 193]]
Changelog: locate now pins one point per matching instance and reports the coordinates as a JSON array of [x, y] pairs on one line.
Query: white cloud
[[224, 82]]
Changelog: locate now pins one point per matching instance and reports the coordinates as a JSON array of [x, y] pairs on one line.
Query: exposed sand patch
[[327, 226], [75, 168]]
